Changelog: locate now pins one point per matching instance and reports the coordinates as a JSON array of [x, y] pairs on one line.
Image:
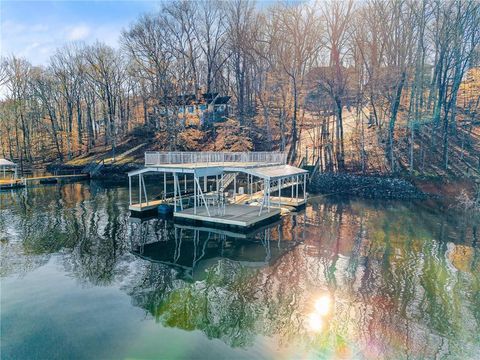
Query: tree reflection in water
[[342, 278], [395, 289]]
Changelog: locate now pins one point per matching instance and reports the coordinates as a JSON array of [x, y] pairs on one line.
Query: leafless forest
[[377, 85]]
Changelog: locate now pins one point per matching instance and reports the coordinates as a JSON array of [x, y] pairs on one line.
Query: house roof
[[191, 99], [209, 97], [180, 100], [222, 100]]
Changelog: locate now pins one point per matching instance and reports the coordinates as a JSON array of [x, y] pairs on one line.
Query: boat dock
[[240, 189]]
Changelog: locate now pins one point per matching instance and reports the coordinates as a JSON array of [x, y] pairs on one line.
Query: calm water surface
[[80, 279]]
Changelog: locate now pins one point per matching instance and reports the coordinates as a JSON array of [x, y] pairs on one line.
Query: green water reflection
[[342, 279]]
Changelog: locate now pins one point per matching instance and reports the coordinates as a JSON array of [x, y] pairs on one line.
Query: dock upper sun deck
[[202, 159]]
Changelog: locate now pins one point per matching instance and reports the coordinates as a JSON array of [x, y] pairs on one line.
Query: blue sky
[[34, 29]]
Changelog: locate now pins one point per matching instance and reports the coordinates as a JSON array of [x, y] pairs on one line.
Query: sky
[[35, 29]]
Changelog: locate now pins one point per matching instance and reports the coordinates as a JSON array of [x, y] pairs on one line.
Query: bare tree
[[295, 38]]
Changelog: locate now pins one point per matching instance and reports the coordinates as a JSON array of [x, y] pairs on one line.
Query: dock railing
[[180, 157]]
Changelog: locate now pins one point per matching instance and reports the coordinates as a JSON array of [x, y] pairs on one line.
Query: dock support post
[[268, 196], [296, 186], [291, 179], [205, 181], [279, 193], [185, 183], [304, 187], [130, 189], [195, 194], [264, 195], [144, 190], [164, 186], [203, 197], [174, 192], [250, 185], [179, 188], [235, 187], [140, 191]]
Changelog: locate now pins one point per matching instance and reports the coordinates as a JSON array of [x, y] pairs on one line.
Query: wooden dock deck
[[146, 206], [233, 215], [257, 197], [287, 201]]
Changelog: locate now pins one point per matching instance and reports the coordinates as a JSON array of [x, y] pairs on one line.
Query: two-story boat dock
[[268, 184]]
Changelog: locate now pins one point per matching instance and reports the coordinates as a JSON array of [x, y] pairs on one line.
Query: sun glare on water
[[323, 304], [315, 322], [316, 318]]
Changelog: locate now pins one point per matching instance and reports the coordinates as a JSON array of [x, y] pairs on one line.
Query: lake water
[[80, 279]]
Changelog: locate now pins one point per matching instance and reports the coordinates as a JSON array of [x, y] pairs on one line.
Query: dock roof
[[5, 162], [266, 165], [276, 172]]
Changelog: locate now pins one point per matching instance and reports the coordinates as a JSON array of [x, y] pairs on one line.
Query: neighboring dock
[[48, 179], [11, 184], [231, 189], [12, 181], [54, 178]]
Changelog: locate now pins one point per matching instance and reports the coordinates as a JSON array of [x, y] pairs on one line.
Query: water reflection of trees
[[404, 281], [89, 234], [398, 290]]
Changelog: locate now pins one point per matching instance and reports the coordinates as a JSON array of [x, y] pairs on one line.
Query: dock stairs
[[94, 167], [227, 179]]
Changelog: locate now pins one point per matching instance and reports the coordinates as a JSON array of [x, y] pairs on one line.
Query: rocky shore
[[373, 187]]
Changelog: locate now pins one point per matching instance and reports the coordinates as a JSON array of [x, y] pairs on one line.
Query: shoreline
[[368, 186]]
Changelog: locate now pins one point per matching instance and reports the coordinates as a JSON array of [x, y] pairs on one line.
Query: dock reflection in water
[[193, 249]]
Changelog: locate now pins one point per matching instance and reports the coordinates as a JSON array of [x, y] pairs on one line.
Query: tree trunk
[[393, 118]]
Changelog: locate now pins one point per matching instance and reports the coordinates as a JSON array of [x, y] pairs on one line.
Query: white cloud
[[79, 32], [40, 28], [38, 41]]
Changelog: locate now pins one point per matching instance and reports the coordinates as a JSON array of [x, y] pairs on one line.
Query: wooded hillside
[[371, 86]]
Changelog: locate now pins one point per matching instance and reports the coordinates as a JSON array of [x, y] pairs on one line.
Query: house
[[208, 107]]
